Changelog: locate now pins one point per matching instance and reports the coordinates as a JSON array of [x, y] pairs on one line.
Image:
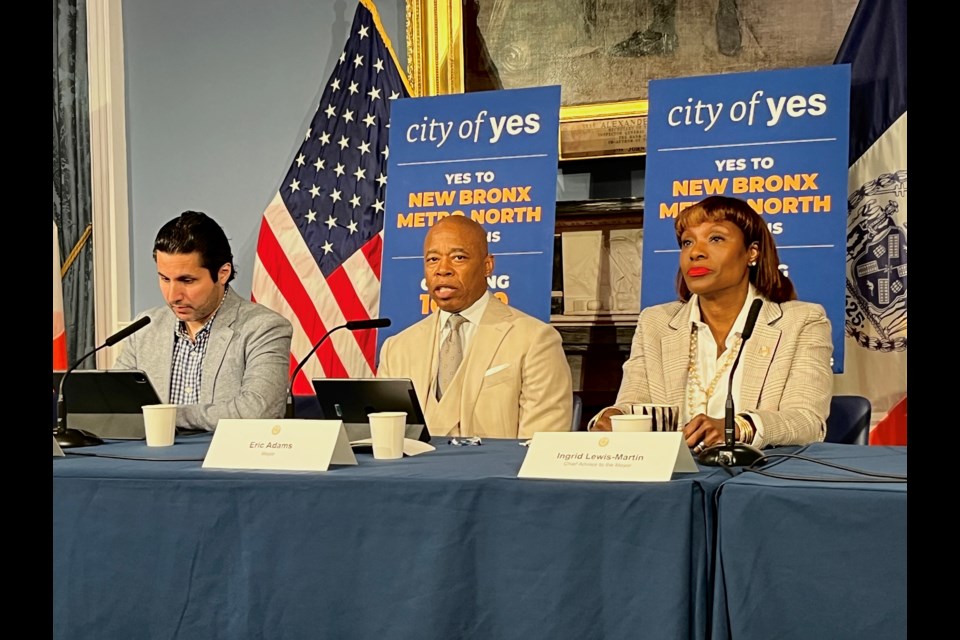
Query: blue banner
[[777, 139], [490, 156]]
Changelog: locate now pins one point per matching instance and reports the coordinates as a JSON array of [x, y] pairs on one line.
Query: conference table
[[818, 552], [447, 544]]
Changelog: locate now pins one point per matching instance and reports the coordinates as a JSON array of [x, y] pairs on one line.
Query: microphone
[[731, 453], [372, 323], [351, 325], [130, 329], [65, 436]]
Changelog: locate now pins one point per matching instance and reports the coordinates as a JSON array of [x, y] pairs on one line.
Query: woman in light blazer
[[682, 351]]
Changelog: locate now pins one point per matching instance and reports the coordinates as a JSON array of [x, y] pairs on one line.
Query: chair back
[[577, 413], [849, 420]]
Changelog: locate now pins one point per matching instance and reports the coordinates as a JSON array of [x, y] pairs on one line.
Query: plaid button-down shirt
[[187, 369]]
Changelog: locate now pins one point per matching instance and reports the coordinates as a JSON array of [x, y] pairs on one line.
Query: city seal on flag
[[877, 263]]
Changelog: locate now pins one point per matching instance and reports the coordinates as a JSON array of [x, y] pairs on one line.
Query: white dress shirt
[[708, 363]]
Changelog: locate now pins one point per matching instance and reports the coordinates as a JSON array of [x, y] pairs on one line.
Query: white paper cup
[[160, 424], [631, 422], [666, 417], [386, 431]]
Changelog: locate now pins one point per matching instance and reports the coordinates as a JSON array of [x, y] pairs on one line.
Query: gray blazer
[[787, 379], [245, 368]]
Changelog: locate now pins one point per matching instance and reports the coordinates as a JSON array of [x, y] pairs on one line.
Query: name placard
[[57, 451], [615, 457], [282, 445]]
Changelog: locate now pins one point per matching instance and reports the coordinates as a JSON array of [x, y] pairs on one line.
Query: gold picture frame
[[604, 52], [435, 66]]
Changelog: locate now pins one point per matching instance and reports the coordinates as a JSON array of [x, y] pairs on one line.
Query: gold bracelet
[[746, 429]]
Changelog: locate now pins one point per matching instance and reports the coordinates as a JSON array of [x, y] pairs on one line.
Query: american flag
[[319, 249]]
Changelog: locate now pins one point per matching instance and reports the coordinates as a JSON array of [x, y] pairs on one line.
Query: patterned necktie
[[451, 353]]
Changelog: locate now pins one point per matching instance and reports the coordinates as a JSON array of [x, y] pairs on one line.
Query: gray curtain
[[72, 208]]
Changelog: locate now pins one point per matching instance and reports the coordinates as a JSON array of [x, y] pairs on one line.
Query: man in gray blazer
[[209, 351], [510, 377]]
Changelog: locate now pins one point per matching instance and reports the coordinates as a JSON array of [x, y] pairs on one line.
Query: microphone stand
[[732, 453], [65, 436], [351, 325], [291, 411]]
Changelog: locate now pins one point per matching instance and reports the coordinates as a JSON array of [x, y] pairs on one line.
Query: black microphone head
[[131, 328], [372, 323], [751, 319]]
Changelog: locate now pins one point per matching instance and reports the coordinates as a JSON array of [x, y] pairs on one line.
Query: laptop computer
[[107, 403], [352, 399]]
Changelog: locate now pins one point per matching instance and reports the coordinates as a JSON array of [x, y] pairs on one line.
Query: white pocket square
[[493, 370]]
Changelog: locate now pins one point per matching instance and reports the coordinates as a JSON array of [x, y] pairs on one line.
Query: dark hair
[[195, 231], [766, 275]]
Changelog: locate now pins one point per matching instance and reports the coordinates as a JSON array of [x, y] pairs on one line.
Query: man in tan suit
[[480, 367]]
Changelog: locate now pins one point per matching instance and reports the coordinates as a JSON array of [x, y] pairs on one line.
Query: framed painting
[[604, 52]]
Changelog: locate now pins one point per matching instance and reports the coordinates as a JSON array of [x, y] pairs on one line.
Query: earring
[[752, 264]]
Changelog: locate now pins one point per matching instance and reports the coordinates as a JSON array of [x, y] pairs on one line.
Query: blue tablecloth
[[449, 544], [805, 559]]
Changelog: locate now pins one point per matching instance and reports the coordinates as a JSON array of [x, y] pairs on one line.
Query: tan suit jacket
[[514, 379], [787, 379]]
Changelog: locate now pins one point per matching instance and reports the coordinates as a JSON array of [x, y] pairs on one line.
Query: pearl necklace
[[694, 383]]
